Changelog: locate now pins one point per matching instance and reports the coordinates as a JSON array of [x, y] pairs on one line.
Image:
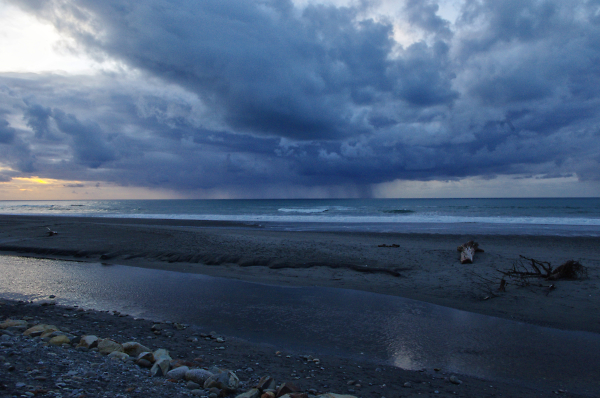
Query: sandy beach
[[419, 266], [424, 267]]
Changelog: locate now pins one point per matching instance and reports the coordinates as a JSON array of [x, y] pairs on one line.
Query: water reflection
[[403, 332]]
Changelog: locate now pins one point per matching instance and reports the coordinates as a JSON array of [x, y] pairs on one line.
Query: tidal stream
[[348, 323]]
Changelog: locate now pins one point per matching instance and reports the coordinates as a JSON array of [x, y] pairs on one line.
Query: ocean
[[545, 216]]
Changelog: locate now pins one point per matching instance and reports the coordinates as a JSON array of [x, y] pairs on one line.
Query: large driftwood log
[[467, 251]]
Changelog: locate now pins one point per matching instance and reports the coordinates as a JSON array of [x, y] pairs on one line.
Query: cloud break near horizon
[[281, 99]]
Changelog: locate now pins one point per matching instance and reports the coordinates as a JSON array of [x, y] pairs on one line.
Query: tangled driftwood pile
[[526, 268], [523, 272]]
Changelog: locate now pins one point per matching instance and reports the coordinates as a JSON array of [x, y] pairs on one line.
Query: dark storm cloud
[[89, 146], [37, 117], [238, 95], [7, 133]]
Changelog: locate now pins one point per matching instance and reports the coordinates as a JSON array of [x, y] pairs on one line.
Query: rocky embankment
[[51, 350]]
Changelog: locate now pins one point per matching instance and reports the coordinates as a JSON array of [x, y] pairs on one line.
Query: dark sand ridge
[[424, 266]]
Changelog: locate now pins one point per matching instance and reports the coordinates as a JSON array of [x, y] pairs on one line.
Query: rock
[[192, 386], [295, 395], [252, 393], [197, 392], [454, 380], [134, 349], [227, 381], [178, 373], [407, 385], [38, 330], [266, 383], [286, 388], [59, 340], [88, 342], [332, 395], [160, 367], [106, 346], [148, 356], [161, 353], [119, 355], [198, 375], [144, 363], [268, 394], [176, 363], [10, 323], [215, 370]]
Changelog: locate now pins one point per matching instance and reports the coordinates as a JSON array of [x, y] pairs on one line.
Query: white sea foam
[[304, 210], [412, 218]]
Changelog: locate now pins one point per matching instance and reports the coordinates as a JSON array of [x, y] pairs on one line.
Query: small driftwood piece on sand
[[467, 251], [51, 232]]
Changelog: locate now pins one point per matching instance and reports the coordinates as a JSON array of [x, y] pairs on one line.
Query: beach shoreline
[[423, 267], [48, 370]]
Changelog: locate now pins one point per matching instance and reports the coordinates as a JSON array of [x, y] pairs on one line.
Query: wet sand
[[424, 267]]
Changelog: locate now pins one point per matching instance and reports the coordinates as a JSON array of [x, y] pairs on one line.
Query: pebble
[[407, 385], [455, 380]]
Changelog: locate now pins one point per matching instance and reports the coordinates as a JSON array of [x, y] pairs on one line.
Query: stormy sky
[[281, 98]]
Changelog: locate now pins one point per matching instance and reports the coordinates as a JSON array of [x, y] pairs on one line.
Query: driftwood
[[467, 251], [485, 285], [51, 232], [526, 268], [392, 245], [569, 270]]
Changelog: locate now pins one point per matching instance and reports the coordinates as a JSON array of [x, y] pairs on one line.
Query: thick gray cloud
[[7, 133], [241, 95]]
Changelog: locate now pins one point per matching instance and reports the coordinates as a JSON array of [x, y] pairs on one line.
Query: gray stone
[[161, 353], [144, 363], [59, 340], [197, 392], [117, 355], [10, 323], [160, 367], [332, 395], [134, 349], [225, 381], [215, 370], [266, 383], [106, 346], [252, 393], [454, 380], [89, 341], [198, 375], [178, 373], [148, 356], [192, 386], [39, 329]]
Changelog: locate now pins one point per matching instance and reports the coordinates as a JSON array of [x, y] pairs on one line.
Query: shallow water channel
[[385, 329]]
